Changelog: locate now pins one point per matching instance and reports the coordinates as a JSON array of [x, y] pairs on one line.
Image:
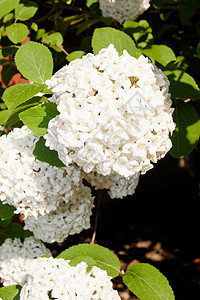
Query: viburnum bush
[[102, 96]]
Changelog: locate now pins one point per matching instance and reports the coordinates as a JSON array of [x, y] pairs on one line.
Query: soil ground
[[159, 225]]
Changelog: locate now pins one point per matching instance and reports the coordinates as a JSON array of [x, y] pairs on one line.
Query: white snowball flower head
[[68, 219], [115, 113], [56, 279], [16, 258], [123, 10], [118, 186], [33, 187]]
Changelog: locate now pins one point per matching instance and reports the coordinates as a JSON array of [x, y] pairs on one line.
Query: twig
[[96, 217], [61, 48]]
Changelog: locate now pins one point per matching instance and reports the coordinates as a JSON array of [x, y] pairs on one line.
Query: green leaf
[[6, 211], [187, 131], [89, 261], [25, 10], [8, 51], [75, 54], [103, 37], [47, 255], [182, 85], [35, 62], [53, 38], [160, 53], [13, 116], [6, 6], [5, 223], [93, 5], [38, 117], [12, 231], [3, 116], [2, 105], [44, 154], [103, 257], [142, 25], [11, 292], [146, 282], [141, 31], [17, 32], [40, 33], [8, 18], [19, 93], [89, 3], [34, 26], [46, 90]]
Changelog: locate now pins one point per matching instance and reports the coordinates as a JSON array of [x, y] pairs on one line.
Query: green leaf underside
[[103, 257], [20, 93], [146, 282], [6, 211], [11, 292], [187, 131], [38, 117], [44, 154], [182, 85], [103, 37], [160, 53], [17, 32], [35, 62], [13, 116], [6, 6]]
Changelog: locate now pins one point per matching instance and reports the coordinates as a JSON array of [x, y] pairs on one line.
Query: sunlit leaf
[[147, 283]]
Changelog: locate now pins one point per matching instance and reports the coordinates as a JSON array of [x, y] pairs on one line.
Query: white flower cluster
[[115, 113], [16, 258], [122, 10], [55, 279], [33, 187], [47, 278], [68, 219], [118, 186], [52, 200]]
